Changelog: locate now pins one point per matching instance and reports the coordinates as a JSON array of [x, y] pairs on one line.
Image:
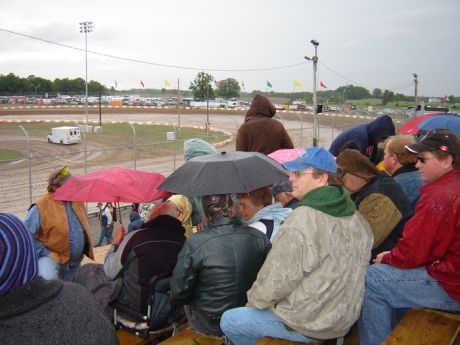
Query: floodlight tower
[[415, 93], [315, 102], [86, 27]]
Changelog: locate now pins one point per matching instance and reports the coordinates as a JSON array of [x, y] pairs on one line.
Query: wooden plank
[[128, 338], [425, 326], [187, 337], [99, 254], [273, 341]]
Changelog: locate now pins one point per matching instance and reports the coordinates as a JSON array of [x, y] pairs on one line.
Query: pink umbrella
[[285, 155], [113, 185]]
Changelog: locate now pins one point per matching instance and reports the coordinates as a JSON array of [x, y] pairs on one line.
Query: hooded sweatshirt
[[364, 135], [260, 133], [275, 212]]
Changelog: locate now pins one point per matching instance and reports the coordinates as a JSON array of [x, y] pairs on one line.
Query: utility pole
[[315, 102], [415, 93]]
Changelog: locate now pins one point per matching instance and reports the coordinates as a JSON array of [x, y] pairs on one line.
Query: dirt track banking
[[15, 193]]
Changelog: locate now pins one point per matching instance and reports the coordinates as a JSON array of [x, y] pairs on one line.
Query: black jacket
[[217, 266], [143, 254]]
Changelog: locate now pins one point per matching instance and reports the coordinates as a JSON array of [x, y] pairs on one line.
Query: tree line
[[203, 87]]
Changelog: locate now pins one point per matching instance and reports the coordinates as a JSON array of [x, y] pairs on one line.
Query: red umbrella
[[284, 155], [113, 185], [412, 126]]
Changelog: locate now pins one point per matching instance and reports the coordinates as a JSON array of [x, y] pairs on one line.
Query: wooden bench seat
[[426, 326], [187, 337], [128, 338]]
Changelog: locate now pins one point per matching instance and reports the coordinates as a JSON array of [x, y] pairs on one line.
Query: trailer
[[64, 135]]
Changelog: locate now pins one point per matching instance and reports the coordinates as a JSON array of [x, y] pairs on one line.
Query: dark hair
[[135, 206], [260, 196], [440, 155]]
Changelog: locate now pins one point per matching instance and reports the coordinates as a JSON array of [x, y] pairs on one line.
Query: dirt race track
[[15, 194]]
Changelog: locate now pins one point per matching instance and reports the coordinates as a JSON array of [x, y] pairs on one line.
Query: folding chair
[[162, 317]]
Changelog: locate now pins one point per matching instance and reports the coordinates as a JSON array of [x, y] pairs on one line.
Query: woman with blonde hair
[[184, 212]]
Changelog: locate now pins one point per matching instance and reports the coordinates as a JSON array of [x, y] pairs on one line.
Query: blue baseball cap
[[313, 157]]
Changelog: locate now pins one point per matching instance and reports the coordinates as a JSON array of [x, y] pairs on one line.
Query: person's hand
[[248, 304], [199, 226], [180, 216], [379, 257], [119, 235]]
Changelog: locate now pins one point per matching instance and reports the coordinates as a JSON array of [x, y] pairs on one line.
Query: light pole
[[415, 93], [36, 87], [315, 102], [207, 110], [86, 27]]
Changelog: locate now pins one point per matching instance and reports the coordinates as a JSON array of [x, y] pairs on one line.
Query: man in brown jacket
[[260, 133]]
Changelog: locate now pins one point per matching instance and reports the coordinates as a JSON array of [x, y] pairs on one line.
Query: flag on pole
[[322, 85], [192, 85], [116, 84], [142, 84], [446, 98], [268, 84], [167, 83], [216, 83], [242, 84], [298, 84]]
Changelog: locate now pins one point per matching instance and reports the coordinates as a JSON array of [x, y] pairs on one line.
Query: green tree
[[452, 99], [388, 96], [228, 88], [202, 86], [309, 97], [377, 93]]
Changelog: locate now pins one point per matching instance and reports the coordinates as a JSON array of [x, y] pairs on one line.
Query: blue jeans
[[389, 289], [247, 325], [105, 233], [51, 269], [199, 325]]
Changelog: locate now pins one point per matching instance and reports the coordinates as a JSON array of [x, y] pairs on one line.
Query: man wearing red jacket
[[423, 270]]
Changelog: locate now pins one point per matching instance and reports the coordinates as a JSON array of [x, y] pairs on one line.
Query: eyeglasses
[[424, 159], [341, 172], [298, 173]]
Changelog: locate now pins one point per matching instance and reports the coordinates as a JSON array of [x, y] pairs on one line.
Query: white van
[[64, 135]]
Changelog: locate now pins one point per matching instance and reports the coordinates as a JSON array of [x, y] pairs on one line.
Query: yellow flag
[[167, 83], [296, 83]]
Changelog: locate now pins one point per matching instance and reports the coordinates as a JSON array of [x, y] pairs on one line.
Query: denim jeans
[[247, 325], [200, 325], [105, 233], [51, 269], [389, 289]]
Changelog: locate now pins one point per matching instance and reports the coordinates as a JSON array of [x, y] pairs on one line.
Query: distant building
[[434, 100]]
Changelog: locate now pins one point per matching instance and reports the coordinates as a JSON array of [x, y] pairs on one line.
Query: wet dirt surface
[[15, 191]]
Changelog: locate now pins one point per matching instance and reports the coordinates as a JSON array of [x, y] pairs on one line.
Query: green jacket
[[217, 266]]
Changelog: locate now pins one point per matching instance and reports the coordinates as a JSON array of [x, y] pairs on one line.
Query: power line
[[154, 63]]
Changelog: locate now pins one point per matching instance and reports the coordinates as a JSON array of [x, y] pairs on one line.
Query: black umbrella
[[224, 173]]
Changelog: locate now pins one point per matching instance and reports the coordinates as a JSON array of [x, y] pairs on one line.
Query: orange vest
[[54, 229]]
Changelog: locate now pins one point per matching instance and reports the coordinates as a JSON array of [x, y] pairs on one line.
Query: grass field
[[150, 140], [8, 155]]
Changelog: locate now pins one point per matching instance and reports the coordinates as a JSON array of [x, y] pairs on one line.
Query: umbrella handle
[[119, 213]]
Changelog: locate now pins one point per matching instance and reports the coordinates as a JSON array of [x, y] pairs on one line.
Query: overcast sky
[[369, 43]]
